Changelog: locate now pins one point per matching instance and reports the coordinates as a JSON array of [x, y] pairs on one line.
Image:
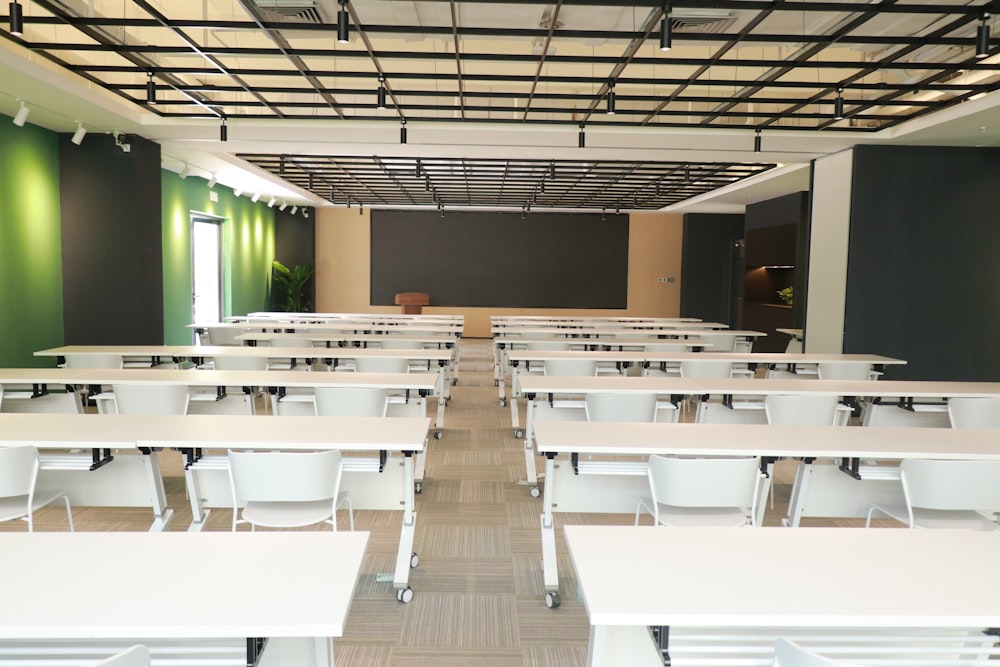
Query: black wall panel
[[295, 242], [111, 241], [923, 279], [712, 267], [547, 260]]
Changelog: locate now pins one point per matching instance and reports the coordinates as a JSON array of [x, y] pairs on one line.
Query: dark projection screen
[[547, 260]]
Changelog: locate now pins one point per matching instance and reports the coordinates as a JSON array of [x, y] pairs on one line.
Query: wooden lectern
[[412, 302]]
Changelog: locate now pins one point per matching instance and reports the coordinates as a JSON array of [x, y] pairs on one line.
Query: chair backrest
[[151, 398], [285, 476], [351, 401], [801, 409], [135, 656], [844, 370], [974, 412], [234, 363], [570, 367], [609, 407], [382, 364], [794, 346], [18, 471], [290, 341], [789, 654], [720, 342], [94, 361], [709, 369], [389, 343], [224, 335], [547, 345], [703, 482], [951, 485], [666, 347]]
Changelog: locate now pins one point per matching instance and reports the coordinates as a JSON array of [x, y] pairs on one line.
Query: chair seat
[[716, 517], [926, 518], [16, 507], [289, 515]]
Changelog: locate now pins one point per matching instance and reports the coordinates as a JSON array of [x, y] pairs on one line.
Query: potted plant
[[786, 295], [288, 287]]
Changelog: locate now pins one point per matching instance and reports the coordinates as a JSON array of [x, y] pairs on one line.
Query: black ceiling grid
[[735, 64]]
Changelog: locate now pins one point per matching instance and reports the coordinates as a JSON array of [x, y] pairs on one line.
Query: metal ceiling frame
[[928, 70]]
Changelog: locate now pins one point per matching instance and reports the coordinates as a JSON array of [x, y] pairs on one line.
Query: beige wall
[[343, 271]]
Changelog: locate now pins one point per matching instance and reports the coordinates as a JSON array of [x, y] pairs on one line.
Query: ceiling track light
[[272, 201], [582, 138], [255, 198], [983, 36], [666, 38], [838, 105], [295, 209], [185, 171], [150, 89], [402, 132], [611, 98], [223, 131], [80, 133], [237, 192], [756, 141], [212, 181], [283, 206], [343, 24], [381, 92], [21, 117], [16, 19]]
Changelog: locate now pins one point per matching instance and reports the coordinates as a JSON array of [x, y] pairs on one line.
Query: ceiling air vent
[[297, 11], [701, 20]]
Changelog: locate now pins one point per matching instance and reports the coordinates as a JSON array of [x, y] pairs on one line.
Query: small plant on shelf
[[288, 287], [786, 295]]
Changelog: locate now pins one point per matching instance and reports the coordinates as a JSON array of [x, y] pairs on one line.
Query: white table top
[[669, 328], [843, 577], [348, 337], [603, 341], [278, 584], [884, 443], [736, 357], [541, 384], [206, 378], [363, 434], [201, 351], [454, 329], [514, 319], [375, 317]]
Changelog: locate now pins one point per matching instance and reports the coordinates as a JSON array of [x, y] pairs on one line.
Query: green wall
[[31, 302], [248, 239]]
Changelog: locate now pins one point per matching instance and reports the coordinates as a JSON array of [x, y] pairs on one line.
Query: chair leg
[[69, 512]]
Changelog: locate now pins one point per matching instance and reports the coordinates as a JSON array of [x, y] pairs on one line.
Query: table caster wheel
[[503, 402], [454, 382], [437, 435], [496, 383], [535, 492], [418, 487], [404, 595], [518, 433], [414, 560], [551, 600]]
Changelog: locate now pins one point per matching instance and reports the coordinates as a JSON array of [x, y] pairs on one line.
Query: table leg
[[324, 651], [531, 473], [199, 513], [404, 555], [797, 499], [550, 568], [161, 513]]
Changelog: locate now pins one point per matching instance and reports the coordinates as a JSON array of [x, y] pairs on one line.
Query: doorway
[[206, 268]]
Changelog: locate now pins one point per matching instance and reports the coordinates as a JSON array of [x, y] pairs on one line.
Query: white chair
[[135, 656], [285, 363], [287, 489], [974, 412], [382, 365], [702, 491], [802, 409], [389, 343], [239, 363], [720, 342], [18, 478], [351, 401], [946, 494], [94, 361], [238, 399], [845, 370], [706, 369], [608, 407], [669, 369], [151, 398], [789, 654], [221, 335], [570, 367]]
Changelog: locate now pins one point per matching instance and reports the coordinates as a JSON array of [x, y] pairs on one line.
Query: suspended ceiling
[[741, 75]]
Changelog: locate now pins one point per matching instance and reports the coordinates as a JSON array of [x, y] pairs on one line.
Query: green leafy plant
[[786, 295], [288, 287]]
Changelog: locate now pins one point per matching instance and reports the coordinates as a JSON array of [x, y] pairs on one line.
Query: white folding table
[[722, 595], [271, 599]]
